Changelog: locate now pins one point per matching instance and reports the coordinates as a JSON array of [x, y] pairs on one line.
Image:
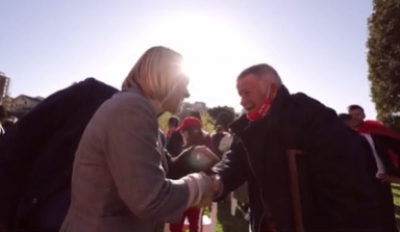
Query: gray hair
[[262, 71]]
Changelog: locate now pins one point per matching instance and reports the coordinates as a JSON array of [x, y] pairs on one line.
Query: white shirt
[[225, 143], [379, 163]]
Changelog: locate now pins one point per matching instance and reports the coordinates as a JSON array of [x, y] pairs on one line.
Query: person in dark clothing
[[2, 131], [187, 162], [190, 162], [369, 156], [216, 138], [331, 168], [385, 146], [36, 157], [174, 140], [7, 124]]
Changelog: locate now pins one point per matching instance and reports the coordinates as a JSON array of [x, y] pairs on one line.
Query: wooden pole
[[295, 189]]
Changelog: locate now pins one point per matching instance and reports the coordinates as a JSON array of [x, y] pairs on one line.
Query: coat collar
[[155, 104]]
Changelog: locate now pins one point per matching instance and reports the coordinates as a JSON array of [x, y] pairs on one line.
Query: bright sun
[[214, 52]]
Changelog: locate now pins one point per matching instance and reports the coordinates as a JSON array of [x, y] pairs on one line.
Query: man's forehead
[[355, 111], [247, 80]]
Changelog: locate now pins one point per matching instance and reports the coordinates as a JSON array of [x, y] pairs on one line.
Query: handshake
[[203, 188]]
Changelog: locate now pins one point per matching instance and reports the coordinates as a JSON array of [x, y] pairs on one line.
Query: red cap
[[189, 122]]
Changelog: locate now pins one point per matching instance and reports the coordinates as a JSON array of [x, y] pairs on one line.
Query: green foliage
[[384, 60], [223, 115], [163, 121], [195, 114], [208, 122]]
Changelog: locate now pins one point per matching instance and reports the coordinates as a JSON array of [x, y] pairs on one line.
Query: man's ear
[[274, 90]]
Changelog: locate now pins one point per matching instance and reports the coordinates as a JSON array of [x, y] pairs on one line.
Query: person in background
[[369, 156], [208, 142], [216, 138], [3, 118], [174, 140], [191, 162], [347, 120], [385, 145], [8, 123], [225, 143], [118, 181], [331, 169]]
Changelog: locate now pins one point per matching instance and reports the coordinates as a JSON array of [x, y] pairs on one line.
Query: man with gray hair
[[334, 192]]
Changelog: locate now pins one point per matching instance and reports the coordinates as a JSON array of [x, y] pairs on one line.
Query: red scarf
[[261, 111], [377, 128]]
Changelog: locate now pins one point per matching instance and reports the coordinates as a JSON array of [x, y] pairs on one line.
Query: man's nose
[[243, 101]]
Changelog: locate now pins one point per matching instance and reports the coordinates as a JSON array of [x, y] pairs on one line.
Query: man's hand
[[384, 178], [211, 192]]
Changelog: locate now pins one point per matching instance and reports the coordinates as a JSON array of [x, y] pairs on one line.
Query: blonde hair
[[155, 72]]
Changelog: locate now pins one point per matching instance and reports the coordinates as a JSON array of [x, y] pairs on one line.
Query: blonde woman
[[118, 181]]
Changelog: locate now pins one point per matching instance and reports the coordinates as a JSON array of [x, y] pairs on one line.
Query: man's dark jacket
[[382, 146], [36, 157], [385, 142], [336, 192]]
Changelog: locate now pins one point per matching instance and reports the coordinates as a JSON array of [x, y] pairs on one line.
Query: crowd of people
[[93, 158]]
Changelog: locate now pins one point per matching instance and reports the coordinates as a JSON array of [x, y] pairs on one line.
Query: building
[[4, 84], [197, 106], [22, 103]]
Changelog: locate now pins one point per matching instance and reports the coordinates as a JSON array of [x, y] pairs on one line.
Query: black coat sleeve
[[336, 164], [232, 169], [383, 146], [21, 146]]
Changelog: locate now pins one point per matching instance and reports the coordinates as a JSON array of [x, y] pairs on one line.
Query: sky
[[317, 47]]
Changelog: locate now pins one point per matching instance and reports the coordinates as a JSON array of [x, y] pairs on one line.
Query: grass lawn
[[396, 195], [229, 223]]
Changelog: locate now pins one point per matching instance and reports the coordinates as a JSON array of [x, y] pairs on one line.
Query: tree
[[207, 121], [225, 119], [222, 115], [195, 114], [384, 60]]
